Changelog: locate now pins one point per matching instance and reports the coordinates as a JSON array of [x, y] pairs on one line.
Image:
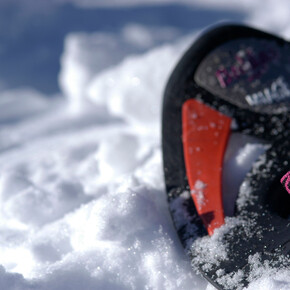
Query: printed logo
[[285, 180], [278, 91], [247, 63]]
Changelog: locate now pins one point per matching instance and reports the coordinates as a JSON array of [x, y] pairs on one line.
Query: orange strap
[[204, 135]]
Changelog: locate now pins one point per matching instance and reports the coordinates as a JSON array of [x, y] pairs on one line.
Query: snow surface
[[82, 199]]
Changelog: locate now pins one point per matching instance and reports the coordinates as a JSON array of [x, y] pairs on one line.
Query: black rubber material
[[268, 213]]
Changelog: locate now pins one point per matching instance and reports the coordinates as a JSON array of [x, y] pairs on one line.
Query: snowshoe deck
[[232, 79]]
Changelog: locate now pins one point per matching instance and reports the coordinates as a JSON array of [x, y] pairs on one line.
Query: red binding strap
[[204, 135]]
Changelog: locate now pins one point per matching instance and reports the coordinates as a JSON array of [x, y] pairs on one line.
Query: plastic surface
[[259, 107], [204, 134]]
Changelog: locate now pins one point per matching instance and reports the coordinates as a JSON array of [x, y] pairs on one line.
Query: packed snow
[[82, 197]]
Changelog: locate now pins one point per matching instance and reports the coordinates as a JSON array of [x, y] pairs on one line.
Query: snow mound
[[130, 93], [86, 55], [82, 198]]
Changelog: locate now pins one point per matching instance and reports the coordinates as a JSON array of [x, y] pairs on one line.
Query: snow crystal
[[230, 281], [265, 275], [212, 249], [197, 190], [245, 196]]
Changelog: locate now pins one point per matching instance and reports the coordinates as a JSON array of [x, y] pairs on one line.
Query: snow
[[197, 190], [127, 91], [88, 54], [212, 251], [82, 198]]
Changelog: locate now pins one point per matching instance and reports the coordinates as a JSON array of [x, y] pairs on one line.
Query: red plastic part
[[205, 134]]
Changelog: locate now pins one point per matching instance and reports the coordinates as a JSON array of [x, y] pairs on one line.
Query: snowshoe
[[232, 79]]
